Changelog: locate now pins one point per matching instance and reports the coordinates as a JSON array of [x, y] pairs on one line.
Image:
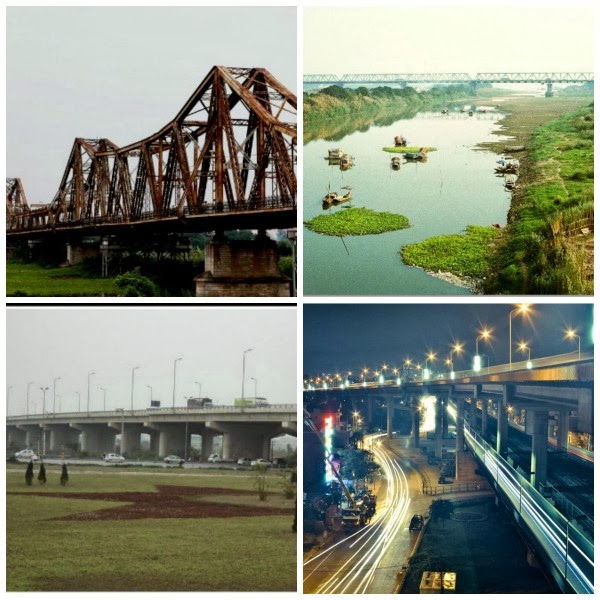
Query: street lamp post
[[44, 390], [78, 401], [456, 348], [523, 347], [151, 397], [199, 388], [175, 377], [244, 370], [571, 333], [54, 395], [522, 308], [133, 383], [104, 401], [430, 356], [255, 387], [29, 383], [485, 334], [88, 391]]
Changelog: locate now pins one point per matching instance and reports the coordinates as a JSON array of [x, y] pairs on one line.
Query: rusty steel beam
[[233, 143]]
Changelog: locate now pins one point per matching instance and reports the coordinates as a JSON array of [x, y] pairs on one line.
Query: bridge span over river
[[546, 78], [246, 432]]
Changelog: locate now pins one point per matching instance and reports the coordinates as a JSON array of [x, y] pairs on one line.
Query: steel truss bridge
[[226, 161], [450, 78]]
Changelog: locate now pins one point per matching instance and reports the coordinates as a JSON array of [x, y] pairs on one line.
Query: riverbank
[[547, 245]]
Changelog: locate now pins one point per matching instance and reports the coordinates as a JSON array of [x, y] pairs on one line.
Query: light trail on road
[[350, 565]]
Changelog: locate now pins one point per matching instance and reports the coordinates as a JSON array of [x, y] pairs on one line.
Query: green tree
[[442, 509], [133, 283], [356, 463]]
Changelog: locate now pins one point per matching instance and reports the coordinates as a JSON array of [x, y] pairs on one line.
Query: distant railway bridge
[[450, 78]]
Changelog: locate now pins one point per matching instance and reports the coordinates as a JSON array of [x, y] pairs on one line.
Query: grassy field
[[32, 279], [122, 530]]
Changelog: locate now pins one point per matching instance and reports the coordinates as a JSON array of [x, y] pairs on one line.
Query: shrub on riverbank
[[357, 221], [465, 255]]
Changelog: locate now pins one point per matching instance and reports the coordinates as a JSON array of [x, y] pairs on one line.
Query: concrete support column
[[562, 431], [508, 394], [390, 418], [476, 395], [484, 417], [171, 441], [130, 438], [208, 438], [438, 427], [444, 406], [97, 439], [78, 252], [460, 428], [33, 438], [416, 420], [539, 444], [16, 437], [61, 435], [154, 442]]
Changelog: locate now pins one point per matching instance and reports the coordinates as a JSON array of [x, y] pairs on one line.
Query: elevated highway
[[247, 432]]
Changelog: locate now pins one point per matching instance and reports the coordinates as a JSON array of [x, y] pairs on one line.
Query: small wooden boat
[[420, 155], [332, 198], [346, 161], [510, 181], [335, 153], [396, 162], [508, 166]]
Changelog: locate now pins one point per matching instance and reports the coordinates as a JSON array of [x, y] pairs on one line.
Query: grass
[[463, 255], [357, 221], [46, 553], [34, 280]]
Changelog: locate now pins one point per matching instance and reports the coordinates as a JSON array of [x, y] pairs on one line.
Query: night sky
[[343, 337]]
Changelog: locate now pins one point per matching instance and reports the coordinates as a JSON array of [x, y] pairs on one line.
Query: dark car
[[416, 522]]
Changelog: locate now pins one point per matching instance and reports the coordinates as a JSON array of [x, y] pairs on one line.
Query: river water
[[456, 187]]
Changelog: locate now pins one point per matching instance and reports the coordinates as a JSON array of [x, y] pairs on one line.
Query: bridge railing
[[567, 549], [29, 222], [117, 414], [514, 367]]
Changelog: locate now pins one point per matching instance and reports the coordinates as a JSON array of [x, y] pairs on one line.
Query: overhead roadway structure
[[226, 160]]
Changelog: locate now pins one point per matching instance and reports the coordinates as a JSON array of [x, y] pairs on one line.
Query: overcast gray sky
[[44, 343], [456, 37], [121, 73]]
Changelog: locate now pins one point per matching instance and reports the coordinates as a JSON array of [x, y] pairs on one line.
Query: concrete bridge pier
[[536, 425], [79, 250], [97, 439], [16, 438], [439, 409], [390, 418], [131, 438], [171, 438], [242, 268], [208, 440], [549, 91], [61, 435], [508, 396], [474, 400], [245, 439], [416, 420], [460, 431], [562, 430], [484, 417]]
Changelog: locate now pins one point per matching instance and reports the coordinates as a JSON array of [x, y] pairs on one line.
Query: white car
[[260, 462], [214, 458], [113, 458], [27, 455], [173, 459]]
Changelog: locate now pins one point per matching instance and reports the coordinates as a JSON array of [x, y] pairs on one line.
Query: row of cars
[[115, 458]]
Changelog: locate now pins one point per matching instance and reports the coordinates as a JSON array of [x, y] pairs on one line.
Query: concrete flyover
[[247, 432]]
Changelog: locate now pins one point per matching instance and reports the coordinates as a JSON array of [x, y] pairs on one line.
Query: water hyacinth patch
[[357, 221]]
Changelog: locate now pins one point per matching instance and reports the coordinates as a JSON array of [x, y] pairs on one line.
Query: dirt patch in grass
[[169, 502]]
